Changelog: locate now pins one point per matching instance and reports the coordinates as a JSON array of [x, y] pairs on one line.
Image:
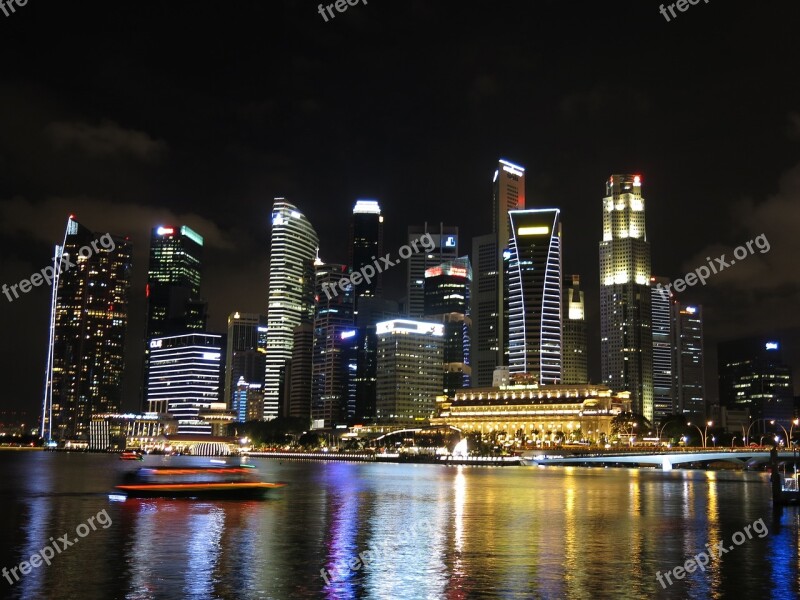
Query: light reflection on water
[[424, 531]]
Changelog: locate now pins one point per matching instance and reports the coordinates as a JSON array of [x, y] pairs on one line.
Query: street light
[[733, 441], [703, 434]]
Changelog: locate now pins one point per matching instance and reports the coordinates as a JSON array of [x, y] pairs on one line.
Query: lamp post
[[733, 441], [747, 435], [784, 430], [703, 433]]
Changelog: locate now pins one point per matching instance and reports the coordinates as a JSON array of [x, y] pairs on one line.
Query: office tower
[[174, 273], [447, 299], [754, 376], [173, 282], [298, 373], [575, 369], [664, 372], [409, 370], [245, 351], [445, 248], [361, 356], [293, 248], [689, 378], [184, 379], [626, 340], [508, 193], [485, 314], [248, 400], [333, 316], [489, 288], [534, 294], [366, 245], [88, 321]]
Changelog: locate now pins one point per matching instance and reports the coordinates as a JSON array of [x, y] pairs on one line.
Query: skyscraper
[[333, 316], [297, 380], [447, 290], [366, 245], [445, 241], [575, 370], [489, 289], [88, 321], [409, 370], [245, 352], [689, 361], [485, 314], [293, 248], [753, 375], [626, 340], [534, 294], [174, 305], [664, 373], [508, 193], [184, 379]]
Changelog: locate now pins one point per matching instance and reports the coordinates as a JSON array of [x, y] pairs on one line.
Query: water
[[429, 531]]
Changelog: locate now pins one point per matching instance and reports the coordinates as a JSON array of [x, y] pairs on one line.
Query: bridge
[[665, 460]]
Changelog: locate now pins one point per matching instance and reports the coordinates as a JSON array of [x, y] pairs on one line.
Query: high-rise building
[[534, 294], [184, 379], [174, 304], [489, 288], [664, 372], [409, 370], [445, 248], [293, 248], [626, 340], [361, 356], [447, 301], [754, 376], [574, 367], [508, 193], [88, 321], [297, 386], [485, 314], [248, 401], [333, 316], [366, 245], [245, 352], [689, 378]]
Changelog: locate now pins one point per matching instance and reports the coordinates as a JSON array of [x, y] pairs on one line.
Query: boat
[[131, 456], [790, 489], [240, 481]]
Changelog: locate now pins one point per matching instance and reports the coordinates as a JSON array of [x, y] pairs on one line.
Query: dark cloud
[[106, 140]]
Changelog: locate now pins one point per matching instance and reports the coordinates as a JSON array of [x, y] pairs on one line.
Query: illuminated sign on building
[[771, 345], [450, 241], [156, 343], [422, 327], [165, 230]]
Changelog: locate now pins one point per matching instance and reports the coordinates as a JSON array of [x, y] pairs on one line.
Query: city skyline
[[169, 167]]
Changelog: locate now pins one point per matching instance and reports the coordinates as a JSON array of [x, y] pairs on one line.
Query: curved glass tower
[[534, 294], [293, 248]]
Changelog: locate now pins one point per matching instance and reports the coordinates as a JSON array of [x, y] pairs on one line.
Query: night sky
[[132, 115]]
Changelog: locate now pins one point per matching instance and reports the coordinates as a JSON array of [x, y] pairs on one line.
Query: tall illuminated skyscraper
[[445, 247], [246, 351], [447, 290], [663, 349], [329, 377], [575, 370], [534, 294], [174, 305], [89, 318], [689, 373], [366, 245], [293, 248], [489, 289], [626, 340]]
